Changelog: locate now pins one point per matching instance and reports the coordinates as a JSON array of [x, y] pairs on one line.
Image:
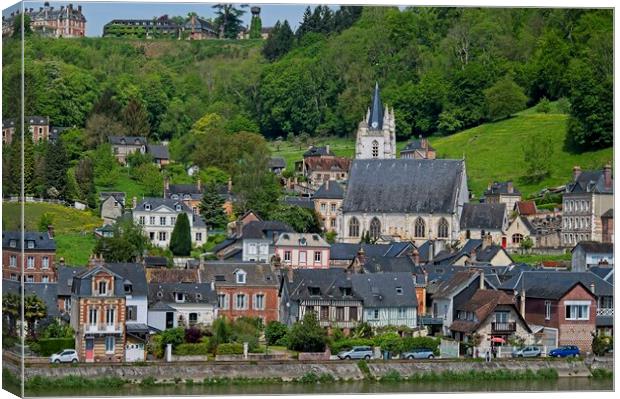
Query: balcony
[[508, 327], [605, 312]]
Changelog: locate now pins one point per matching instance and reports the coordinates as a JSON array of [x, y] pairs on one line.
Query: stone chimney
[[414, 255], [360, 260], [134, 202], [593, 288], [510, 187], [199, 185], [481, 286], [425, 277], [424, 143], [607, 175], [576, 172], [50, 231], [487, 241]]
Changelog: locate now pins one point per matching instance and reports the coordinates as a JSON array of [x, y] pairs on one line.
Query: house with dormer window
[[300, 250], [157, 216], [123, 146], [36, 255], [181, 304], [244, 289]]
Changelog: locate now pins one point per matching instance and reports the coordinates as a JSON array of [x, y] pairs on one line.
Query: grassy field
[[73, 228], [124, 184], [493, 151]]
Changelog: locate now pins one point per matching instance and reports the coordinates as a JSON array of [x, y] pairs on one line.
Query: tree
[[222, 331], [538, 154], [504, 98], [34, 310], [527, 243], [302, 220], [85, 180], [275, 331], [56, 165], [228, 20], [99, 127], [181, 238], [256, 188], [150, 178], [212, 207], [46, 220], [11, 310], [17, 26], [173, 336], [307, 335], [279, 42], [127, 243], [135, 118], [256, 26]]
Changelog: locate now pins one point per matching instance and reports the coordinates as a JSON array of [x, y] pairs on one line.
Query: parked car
[[565, 351], [66, 356], [357, 352], [420, 353], [528, 351]]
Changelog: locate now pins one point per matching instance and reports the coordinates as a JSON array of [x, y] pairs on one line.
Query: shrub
[[410, 343], [544, 106], [392, 376], [48, 346], [192, 349], [155, 347], [601, 344], [348, 343], [275, 331], [57, 329], [309, 378], [174, 336], [307, 335], [563, 105], [230, 349], [192, 335], [390, 342]]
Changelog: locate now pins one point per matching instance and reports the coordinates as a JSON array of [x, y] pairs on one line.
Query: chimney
[[360, 260], [481, 280], [80, 9], [212, 285], [50, 231], [424, 143], [61, 262], [607, 175], [134, 202], [522, 302], [425, 277], [199, 185], [489, 187], [509, 187], [62, 8], [487, 241], [593, 288], [415, 256], [576, 172]]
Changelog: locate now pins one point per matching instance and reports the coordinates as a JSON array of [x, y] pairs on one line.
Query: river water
[[561, 384]]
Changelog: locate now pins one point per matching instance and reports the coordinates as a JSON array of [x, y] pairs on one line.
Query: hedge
[[387, 341], [348, 343], [230, 349], [193, 349], [48, 346]]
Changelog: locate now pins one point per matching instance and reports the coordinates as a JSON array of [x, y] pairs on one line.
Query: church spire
[[375, 121]]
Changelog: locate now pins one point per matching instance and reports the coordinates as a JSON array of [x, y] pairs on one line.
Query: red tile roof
[[526, 208]]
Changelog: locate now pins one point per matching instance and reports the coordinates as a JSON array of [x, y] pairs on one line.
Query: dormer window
[[147, 207], [178, 208], [240, 277], [199, 296], [30, 244], [160, 294], [179, 297], [314, 291], [13, 243], [346, 291], [123, 141], [128, 289], [220, 277], [303, 242], [399, 290]]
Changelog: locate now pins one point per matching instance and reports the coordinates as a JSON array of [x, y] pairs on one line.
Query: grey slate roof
[[317, 151], [157, 202], [415, 145], [158, 151], [501, 188], [346, 251], [589, 181], [375, 119], [194, 293], [65, 278], [380, 290], [156, 261], [385, 264], [595, 247], [118, 195], [42, 241], [303, 202], [606, 273], [330, 190], [554, 284], [483, 216], [127, 140], [453, 285], [48, 292], [403, 185], [265, 229], [277, 162], [223, 273], [132, 273], [332, 284]]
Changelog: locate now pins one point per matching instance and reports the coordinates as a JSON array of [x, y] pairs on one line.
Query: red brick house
[[244, 289], [39, 253], [560, 301]]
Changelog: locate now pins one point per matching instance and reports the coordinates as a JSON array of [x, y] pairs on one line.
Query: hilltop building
[[47, 21], [376, 134]]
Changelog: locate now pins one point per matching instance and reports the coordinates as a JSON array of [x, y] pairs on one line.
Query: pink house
[[305, 251]]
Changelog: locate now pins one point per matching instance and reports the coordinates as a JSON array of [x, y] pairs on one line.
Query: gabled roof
[[82, 286], [155, 261], [590, 182], [118, 195], [385, 289], [156, 203], [331, 284], [132, 273], [331, 164], [330, 190], [375, 117], [277, 162], [595, 247], [455, 284], [224, 274], [198, 293], [302, 202], [65, 278], [526, 208], [317, 151], [158, 151], [416, 145], [608, 214], [389, 264], [483, 216], [347, 251], [554, 284], [127, 140], [173, 276], [301, 239], [403, 185], [502, 188], [42, 241], [266, 229], [604, 272]]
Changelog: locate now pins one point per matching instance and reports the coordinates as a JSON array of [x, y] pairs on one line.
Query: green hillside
[[493, 151]]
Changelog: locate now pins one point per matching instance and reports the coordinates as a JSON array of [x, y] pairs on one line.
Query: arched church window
[[375, 228], [354, 227], [442, 228], [375, 149], [420, 228]]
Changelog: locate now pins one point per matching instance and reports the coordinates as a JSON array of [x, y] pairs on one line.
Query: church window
[[375, 149], [375, 228], [420, 228], [442, 228], [354, 227]]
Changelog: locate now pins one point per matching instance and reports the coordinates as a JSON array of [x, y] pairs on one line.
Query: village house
[[591, 253], [199, 28], [244, 289], [526, 209], [483, 219], [562, 305], [277, 165], [327, 203], [112, 206], [8, 130], [493, 318], [181, 304], [191, 194], [46, 292], [388, 298], [158, 216], [301, 250], [319, 165], [502, 193], [38, 126], [543, 228], [252, 241], [418, 149], [160, 154], [584, 202], [404, 199], [123, 146], [376, 133], [64, 291], [328, 293], [518, 230], [473, 253], [64, 21], [38, 252], [98, 314]]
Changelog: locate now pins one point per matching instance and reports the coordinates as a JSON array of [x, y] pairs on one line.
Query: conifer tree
[[56, 167], [211, 207], [181, 239], [136, 118]]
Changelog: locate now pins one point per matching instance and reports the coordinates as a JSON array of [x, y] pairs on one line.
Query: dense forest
[[442, 69]]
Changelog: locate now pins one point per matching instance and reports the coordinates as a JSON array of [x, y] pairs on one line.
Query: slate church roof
[[403, 185], [375, 120]]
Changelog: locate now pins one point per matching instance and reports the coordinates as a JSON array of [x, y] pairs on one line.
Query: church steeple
[[375, 120]]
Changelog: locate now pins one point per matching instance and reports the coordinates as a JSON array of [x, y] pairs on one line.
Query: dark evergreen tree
[[181, 238], [279, 42], [228, 20], [306, 23], [256, 26], [136, 119], [17, 26], [212, 207], [56, 164], [107, 105]]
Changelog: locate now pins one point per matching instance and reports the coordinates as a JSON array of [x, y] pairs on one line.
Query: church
[[376, 134], [399, 199]]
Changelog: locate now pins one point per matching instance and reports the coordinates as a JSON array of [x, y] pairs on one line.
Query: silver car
[[528, 351], [66, 356], [357, 352], [421, 353]]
